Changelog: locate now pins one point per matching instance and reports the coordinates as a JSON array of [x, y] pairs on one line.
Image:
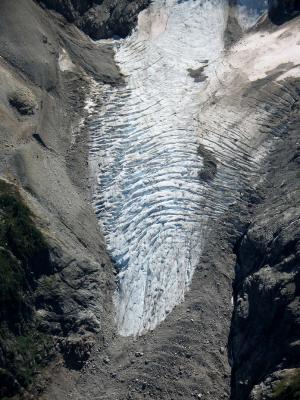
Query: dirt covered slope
[[44, 68]]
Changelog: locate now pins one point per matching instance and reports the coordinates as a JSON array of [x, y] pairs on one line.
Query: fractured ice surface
[[151, 193]]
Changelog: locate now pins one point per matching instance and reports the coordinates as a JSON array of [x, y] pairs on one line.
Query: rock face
[[265, 328], [283, 10], [100, 19], [23, 101]]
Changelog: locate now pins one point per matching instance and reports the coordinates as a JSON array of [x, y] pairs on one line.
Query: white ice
[[153, 207]]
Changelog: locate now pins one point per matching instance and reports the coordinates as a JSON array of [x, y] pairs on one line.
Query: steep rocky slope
[[24, 258], [247, 127], [265, 328], [102, 18], [57, 88], [44, 66]]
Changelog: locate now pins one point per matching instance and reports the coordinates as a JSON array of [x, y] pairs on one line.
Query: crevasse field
[[149, 141]]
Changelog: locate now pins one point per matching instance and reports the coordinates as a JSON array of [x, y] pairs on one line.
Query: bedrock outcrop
[[265, 328], [281, 11], [100, 19]]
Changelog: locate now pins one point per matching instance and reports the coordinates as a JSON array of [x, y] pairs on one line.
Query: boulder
[[24, 101]]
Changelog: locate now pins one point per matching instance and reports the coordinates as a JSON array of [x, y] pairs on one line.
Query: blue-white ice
[[153, 208]]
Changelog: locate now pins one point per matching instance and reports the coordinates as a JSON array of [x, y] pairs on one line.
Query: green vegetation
[[24, 256], [12, 279], [24, 354], [17, 230], [288, 388]]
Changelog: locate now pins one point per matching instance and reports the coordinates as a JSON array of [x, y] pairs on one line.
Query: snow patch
[[64, 61], [271, 50]]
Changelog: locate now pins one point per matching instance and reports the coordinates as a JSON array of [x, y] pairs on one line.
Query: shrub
[[288, 388], [24, 256]]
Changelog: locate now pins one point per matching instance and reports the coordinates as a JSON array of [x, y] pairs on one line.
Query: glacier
[[160, 172]]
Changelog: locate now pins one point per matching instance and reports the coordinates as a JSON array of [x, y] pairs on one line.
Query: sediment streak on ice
[[153, 207]]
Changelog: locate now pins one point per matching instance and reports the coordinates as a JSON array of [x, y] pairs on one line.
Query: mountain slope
[[147, 133]]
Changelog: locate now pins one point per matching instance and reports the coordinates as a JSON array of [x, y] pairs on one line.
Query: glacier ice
[[146, 156]]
